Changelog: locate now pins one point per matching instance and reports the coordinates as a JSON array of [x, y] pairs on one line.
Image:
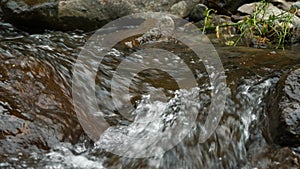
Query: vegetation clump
[[261, 29]]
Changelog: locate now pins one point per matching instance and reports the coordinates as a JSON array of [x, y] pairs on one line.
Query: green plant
[[251, 26], [271, 29], [277, 28], [283, 29], [207, 20]]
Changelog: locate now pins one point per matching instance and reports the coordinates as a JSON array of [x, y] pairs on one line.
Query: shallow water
[[40, 129]]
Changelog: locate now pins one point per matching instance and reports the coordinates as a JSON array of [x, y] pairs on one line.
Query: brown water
[[39, 127]]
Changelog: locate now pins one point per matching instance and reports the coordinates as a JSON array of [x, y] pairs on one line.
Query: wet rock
[[20, 135], [83, 14], [35, 111], [284, 110], [198, 13], [270, 157]]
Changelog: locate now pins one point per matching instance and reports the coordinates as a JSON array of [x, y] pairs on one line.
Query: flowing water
[[39, 127]]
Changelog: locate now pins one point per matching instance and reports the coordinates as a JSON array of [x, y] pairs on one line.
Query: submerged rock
[[36, 110], [284, 110]]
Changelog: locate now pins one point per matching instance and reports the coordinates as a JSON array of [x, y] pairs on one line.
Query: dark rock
[[1, 13], [225, 7], [64, 14], [284, 110], [198, 13], [33, 14]]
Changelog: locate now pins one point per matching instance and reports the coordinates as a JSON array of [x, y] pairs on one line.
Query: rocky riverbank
[[89, 15], [38, 124]]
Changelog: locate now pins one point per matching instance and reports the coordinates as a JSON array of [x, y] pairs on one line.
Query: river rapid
[[39, 127]]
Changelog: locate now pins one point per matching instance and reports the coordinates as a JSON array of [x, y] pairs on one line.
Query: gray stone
[[296, 4], [181, 9], [282, 4], [284, 110], [184, 8]]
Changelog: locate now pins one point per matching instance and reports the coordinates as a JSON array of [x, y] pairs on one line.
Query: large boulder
[[84, 14], [284, 110]]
